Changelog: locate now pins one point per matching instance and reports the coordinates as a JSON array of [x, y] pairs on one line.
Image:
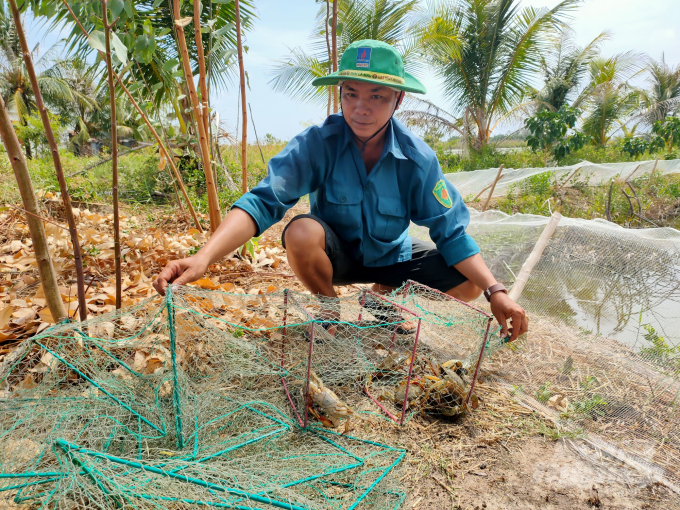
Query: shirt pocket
[[343, 209], [391, 221]]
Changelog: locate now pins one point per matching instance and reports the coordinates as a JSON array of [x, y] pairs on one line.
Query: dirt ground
[[502, 456]]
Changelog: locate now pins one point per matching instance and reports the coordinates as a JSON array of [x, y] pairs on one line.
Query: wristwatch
[[496, 287]]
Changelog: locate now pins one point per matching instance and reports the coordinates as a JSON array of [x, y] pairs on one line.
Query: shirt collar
[[391, 142]]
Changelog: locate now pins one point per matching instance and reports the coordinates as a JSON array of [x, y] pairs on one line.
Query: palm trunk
[[334, 33], [244, 126], [146, 120], [114, 157], [48, 277], [213, 201], [82, 306]]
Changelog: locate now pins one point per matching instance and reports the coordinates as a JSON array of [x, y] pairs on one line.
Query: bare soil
[[502, 456]]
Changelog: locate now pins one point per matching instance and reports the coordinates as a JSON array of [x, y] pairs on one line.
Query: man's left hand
[[504, 308]]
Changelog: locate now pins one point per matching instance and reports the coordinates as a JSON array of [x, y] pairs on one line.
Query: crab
[[334, 410], [443, 392]]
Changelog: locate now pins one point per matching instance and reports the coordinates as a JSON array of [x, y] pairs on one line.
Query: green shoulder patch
[[442, 194]]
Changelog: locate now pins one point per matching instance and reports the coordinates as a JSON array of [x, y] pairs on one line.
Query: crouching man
[[367, 177]]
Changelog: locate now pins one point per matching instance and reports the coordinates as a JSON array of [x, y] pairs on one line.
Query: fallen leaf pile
[[145, 250]]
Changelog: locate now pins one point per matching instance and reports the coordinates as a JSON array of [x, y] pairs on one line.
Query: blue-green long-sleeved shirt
[[371, 213]]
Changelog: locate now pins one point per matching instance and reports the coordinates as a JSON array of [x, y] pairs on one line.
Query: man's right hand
[[180, 272]]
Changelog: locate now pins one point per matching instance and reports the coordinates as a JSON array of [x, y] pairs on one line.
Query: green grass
[[522, 157], [659, 200], [150, 191], [140, 181]]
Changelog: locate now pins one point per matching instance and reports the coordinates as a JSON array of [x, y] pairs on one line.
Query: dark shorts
[[427, 265]]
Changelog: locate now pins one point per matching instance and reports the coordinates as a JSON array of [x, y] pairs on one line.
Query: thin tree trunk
[[114, 157], [146, 120], [244, 127], [334, 33], [80, 278], [213, 201], [201, 67], [330, 56], [48, 277]]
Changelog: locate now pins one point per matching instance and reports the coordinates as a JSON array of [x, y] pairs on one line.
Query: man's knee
[[304, 234], [466, 291]]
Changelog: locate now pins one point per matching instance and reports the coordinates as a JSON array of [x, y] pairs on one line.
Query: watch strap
[[496, 287]]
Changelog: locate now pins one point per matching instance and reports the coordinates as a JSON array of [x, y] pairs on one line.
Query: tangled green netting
[[198, 398]]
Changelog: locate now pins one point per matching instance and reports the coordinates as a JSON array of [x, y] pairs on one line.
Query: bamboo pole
[[330, 56], [146, 120], [534, 256], [48, 277], [632, 173], [651, 176], [244, 126], [213, 201], [481, 192], [569, 178], [493, 187], [54, 149], [334, 37], [201, 68], [114, 156]]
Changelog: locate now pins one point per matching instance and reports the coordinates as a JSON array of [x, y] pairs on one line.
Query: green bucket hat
[[373, 62]]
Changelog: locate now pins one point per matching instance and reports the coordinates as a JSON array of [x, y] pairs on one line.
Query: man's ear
[[400, 98]]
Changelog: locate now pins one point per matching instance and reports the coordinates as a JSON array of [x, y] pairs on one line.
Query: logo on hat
[[364, 57]]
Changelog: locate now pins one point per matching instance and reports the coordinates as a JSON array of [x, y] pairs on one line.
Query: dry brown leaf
[[46, 316], [21, 303], [22, 313], [43, 326], [153, 363], [206, 283], [28, 383], [228, 287], [184, 21], [5, 315]]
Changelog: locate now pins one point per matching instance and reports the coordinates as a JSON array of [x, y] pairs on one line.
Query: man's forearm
[[475, 270], [234, 231]]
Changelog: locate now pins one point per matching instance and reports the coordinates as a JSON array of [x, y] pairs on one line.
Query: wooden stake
[[213, 201], [48, 277], [146, 120], [114, 157], [569, 178], [651, 176], [330, 56], [201, 68], [493, 187], [334, 37], [54, 149], [480, 193], [534, 256], [631, 174], [244, 126]]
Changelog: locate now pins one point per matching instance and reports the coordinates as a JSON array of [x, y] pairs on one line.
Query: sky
[[646, 26]]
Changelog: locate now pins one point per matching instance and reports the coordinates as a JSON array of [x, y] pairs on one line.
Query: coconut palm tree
[[564, 68], [608, 100], [15, 87], [391, 21], [662, 99], [486, 78]]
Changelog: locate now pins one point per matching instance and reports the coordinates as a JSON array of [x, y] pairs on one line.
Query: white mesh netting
[[611, 375], [469, 184]]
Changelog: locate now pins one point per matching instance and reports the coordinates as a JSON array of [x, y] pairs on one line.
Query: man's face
[[367, 107]]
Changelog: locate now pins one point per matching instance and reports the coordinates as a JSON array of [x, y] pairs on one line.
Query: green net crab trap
[[213, 399]]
